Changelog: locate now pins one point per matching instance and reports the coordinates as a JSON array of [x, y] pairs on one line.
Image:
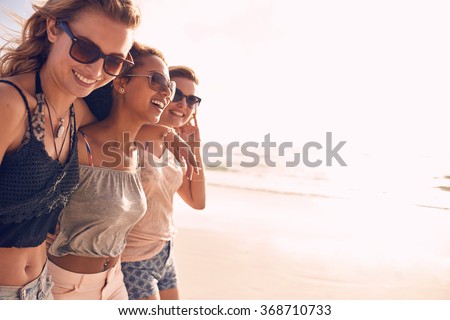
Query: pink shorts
[[106, 285]]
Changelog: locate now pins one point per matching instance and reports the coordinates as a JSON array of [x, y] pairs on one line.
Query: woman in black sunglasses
[[148, 259], [84, 256], [68, 49]]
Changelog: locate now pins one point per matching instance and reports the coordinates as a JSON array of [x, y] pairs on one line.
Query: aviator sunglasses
[[191, 100], [158, 82], [86, 52]]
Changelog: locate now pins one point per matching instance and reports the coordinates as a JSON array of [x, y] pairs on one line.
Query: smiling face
[[177, 114], [148, 102], [110, 36]]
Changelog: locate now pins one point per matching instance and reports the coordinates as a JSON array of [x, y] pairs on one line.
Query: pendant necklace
[[59, 132], [58, 154]]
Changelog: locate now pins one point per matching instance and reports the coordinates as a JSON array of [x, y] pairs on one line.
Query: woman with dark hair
[[148, 260], [85, 255], [68, 48]]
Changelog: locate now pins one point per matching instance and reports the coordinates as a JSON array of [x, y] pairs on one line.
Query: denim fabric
[[147, 277], [38, 289]]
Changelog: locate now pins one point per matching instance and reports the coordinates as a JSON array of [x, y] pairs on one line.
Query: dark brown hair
[[100, 101]]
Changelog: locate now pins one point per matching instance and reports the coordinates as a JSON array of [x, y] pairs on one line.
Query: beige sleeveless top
[[100, 214], [161, 179]]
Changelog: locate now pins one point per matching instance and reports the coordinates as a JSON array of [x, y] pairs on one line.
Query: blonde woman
[[68, 49]]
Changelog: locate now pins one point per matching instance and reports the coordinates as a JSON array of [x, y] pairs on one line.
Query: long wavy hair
[[30, 51], [183, 72]]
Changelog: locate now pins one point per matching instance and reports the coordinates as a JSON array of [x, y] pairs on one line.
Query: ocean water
[[422, 180]]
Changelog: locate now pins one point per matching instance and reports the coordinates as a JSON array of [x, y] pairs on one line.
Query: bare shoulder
[[13, 114], [12, 102], [12, 105], [150, 132], [90, 140], [83, 114], [83, 154]]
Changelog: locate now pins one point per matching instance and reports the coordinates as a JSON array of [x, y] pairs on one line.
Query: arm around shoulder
[[193, 191], [83, 113]]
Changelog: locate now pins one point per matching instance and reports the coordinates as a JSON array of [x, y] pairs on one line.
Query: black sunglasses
[[158, 82], [84, 51], [192, 101]]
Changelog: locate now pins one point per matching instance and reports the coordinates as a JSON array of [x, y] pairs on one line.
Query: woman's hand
[[190, 132], [182, 152]]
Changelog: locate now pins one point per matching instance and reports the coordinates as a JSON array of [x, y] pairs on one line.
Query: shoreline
[[251, 245]]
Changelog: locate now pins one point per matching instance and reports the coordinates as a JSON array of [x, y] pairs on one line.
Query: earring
[[122, 90]]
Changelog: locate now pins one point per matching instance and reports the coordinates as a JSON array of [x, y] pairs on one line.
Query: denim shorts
[[38, 289], [145, 278]]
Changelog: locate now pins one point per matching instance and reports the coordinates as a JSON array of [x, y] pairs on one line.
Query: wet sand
[[259, 245]]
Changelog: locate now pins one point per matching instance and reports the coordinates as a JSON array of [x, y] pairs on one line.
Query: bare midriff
[[19, 266], [84, 265]]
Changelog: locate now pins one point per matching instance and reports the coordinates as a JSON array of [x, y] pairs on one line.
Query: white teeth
[[177, 113], [159, 103], [84, 79]]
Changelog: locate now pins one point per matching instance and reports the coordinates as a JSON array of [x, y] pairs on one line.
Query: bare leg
[[152, 297], [169, 294]]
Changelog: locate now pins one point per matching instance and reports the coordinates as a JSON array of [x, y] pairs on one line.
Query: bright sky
[[375, 73]]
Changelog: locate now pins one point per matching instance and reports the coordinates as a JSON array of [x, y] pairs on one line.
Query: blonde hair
[[29, 52], [183, 72]]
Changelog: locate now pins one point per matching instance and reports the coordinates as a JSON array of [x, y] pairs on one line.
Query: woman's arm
[[182, 152], [83, 114], [192, 191]]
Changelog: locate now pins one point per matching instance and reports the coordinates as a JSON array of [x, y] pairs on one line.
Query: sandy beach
[[261, 245]]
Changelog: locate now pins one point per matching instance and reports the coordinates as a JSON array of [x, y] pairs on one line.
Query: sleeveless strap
[[88, 148], [30, 122], [38, 83], [39, 93], [73, 126]]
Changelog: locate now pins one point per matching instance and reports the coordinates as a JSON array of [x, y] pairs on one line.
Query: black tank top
[[34, 188]]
